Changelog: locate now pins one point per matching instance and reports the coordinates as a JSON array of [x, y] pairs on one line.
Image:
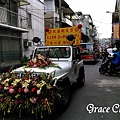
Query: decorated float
[[45, 82]]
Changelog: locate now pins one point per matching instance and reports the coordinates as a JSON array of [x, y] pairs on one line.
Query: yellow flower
[[25, 84], [6, 84], [48, 86], [6, 81], [14, 83], [8, 110], [32, 111], [28, 80], [42, 84], [34, 60], [40, 57], [38, 85]]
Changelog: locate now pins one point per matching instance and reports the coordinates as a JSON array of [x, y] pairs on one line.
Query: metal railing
[[11, 18]]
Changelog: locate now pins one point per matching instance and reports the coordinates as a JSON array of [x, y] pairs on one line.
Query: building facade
[[58, 14], [116, 25], [89, 31], [24, 21], [20, 22]]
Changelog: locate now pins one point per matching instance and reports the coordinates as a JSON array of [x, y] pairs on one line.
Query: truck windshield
[[54, 52]]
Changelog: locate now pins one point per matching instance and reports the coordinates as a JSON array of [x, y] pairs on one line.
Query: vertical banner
[[116, 31]]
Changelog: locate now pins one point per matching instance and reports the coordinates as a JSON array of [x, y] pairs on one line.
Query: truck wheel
[[63, 102], [81, 78]]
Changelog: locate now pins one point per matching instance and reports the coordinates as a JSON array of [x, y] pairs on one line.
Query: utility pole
[[60, 15]]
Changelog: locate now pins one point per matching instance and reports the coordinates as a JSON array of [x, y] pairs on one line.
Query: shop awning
[[15, 28]]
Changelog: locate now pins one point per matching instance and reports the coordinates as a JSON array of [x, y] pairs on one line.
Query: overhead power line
[[102, 22]]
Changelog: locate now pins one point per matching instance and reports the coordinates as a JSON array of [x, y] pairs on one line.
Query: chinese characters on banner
[[116, 31], [57, 36]]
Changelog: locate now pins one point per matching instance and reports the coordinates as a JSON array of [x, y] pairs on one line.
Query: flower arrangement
[[36, 93], [41, 62]]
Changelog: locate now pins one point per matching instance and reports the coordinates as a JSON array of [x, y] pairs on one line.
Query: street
[[99, 90], [99, 99]]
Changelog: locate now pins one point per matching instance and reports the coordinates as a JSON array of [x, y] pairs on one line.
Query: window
[[10, 47], [54, 52], [2, 2], [56, 9], [29, 20], [86, 49]]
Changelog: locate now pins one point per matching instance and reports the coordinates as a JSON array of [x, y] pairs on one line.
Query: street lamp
[[115, 16], [109, 12]]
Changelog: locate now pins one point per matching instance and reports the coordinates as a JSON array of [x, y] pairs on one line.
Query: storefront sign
[[57, 36]]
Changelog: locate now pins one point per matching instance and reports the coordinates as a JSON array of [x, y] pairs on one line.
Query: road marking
[[108, 83]]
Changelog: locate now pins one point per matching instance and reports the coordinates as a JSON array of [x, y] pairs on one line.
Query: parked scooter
[[105, 68]]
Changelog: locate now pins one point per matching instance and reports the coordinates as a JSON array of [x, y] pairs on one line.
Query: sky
[[97, 9]]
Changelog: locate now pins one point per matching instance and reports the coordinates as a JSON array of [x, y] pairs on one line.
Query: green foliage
[[24, 60]]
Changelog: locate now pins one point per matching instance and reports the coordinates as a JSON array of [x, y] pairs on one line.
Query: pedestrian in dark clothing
[[105, 55]]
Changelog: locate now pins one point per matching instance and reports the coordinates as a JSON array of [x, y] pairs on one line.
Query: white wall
[[49, 5], [36, 9]]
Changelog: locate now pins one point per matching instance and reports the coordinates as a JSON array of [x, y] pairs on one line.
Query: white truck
[[72, 68]]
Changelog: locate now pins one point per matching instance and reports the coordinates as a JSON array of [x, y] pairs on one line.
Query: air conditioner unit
[[26, 43]]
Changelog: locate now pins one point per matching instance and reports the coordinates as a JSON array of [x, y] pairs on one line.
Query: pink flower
[[33, 82], [9, 100], [21, 101], [11, 91], [35, 65], [16, 101], [43, 101], [33, 100]]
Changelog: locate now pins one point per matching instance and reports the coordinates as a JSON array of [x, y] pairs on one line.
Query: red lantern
[[47, 29], [80, 26]]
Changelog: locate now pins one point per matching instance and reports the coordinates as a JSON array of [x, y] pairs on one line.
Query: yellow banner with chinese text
[[57, 36], [116, 31]]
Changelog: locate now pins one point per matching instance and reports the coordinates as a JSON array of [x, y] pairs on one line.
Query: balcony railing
[[11, 18]]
